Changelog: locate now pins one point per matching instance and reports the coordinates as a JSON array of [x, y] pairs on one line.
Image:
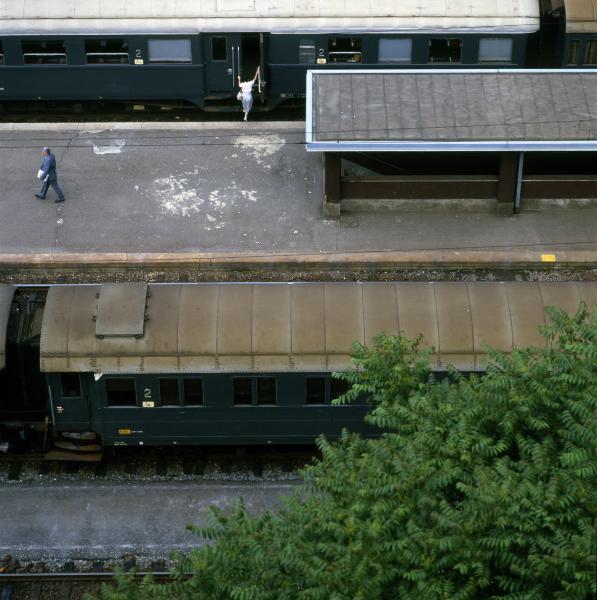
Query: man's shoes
[[58, 200], [40, 196]]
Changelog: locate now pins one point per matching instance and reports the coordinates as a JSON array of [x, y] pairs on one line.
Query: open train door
[[230, 55], [222, 60]]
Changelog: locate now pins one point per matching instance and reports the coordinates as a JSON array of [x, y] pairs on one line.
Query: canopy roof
[[449, 109], [187, 16], [273, 327], [6, 294]]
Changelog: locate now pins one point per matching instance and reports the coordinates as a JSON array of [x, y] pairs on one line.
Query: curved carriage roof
[[290, 16], [6, 294], [275, 327], [581, 16]]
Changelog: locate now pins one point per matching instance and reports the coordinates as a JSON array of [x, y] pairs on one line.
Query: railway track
[[63, 111], [412, 265], [64, 585], [157, 464]]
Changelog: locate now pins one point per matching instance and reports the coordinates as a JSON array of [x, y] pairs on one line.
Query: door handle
[[229, 71]]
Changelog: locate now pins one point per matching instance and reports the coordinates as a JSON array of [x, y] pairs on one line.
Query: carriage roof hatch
[[6, 295], [121, 310]]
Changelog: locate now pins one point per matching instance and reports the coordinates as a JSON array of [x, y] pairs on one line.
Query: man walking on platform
[[47, 173]]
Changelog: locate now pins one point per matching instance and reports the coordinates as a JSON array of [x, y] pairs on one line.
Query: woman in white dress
[[246, 89]]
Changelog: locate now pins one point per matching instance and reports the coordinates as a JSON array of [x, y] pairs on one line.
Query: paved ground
[[107, 520], [224, 187]]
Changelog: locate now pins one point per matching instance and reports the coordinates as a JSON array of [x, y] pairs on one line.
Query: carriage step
[[74, 447], [79, 435], [74, 456]]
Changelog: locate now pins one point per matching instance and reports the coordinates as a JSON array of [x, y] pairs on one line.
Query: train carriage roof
[[6, 294], [581, 16], [284, 16], [279, 327]]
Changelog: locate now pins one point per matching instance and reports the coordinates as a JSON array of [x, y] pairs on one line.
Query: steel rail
[[77, 577]]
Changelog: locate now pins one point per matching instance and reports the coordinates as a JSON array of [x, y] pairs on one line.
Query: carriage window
[[169, 51], [591, 53], [121, 392], [106, 52], [218, 48], [307, 51], [445, 50], [243, 393], [193, 392], [344, 50], [44, 53], [573, 52], [338, 387], [169, 392], [315, 390], [70, 385], [266, 390], [495, 50], [393, 50]]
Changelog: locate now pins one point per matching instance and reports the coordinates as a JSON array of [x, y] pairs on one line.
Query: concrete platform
[[89, 520], [216, 188]]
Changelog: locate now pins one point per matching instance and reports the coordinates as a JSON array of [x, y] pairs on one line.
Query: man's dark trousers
[[55, 187]]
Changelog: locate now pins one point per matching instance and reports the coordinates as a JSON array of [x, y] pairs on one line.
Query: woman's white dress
[[247, 90]]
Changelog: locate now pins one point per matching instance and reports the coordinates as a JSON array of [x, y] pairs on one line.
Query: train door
[[70, 404], [229, 56]]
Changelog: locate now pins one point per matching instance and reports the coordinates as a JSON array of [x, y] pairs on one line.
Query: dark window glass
[[495, 50], [344, 50], [243, 393], [106, 52], [266, 390], [121, 392], [193, 391], [1, 54], [445, 50], [591, 53], [70, 384], [169, 392], [169, 51], [395, 50], [218, 48], [307, 51], [338, 387], [315, 390], [44, 53], [573, 52]]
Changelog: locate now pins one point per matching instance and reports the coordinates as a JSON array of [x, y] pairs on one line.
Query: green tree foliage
[[480, 487]]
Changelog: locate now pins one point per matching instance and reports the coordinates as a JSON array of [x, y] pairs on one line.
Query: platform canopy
[[6, 294], [283, 16], [451, 110], [304, 327]]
